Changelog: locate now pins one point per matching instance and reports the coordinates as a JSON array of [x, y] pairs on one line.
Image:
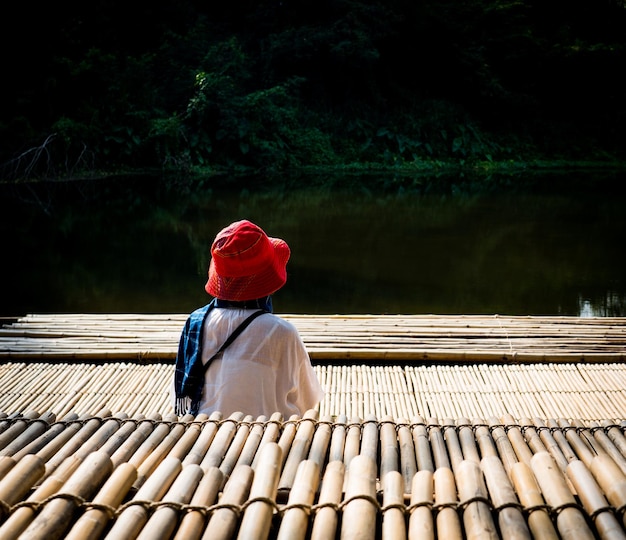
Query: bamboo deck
[[388, 338], [403, 366], [431, 427]]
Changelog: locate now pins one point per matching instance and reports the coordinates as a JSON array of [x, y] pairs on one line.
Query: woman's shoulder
[[267, 321], [271, 319]]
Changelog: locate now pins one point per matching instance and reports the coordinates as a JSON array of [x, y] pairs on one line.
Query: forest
[[189, 87]]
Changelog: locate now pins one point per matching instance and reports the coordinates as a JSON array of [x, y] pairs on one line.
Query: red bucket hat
[[246, 263]]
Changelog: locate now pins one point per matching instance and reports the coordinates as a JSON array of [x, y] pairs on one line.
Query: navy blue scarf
[[189, 374]]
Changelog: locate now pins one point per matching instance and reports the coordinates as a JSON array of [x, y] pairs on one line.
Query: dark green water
[[552, 245]]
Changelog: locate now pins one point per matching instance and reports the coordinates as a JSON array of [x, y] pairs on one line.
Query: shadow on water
[[550, 245]]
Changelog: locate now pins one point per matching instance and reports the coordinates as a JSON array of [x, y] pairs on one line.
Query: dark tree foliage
[[274, 84]]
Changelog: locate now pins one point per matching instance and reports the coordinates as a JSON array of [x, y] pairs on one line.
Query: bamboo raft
[[387, 338], [431, 427]]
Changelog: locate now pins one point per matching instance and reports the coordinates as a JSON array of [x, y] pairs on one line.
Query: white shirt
[[265, 370]]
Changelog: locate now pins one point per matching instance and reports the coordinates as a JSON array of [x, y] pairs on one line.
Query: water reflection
[[447, 246], [612, 305]]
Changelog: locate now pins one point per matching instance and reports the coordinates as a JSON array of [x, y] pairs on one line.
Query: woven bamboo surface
[[590, 392]]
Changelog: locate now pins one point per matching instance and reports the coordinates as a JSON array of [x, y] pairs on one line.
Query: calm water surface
[[548, 246]]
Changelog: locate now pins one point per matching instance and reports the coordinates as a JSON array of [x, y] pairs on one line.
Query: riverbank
[[432, 169]]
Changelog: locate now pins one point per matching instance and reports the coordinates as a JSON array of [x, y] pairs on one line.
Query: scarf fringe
[[184, 405]]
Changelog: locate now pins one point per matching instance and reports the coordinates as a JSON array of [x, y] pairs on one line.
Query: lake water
[[546, 245]]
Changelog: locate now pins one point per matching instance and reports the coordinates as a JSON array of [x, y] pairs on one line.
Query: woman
[[234, 354]]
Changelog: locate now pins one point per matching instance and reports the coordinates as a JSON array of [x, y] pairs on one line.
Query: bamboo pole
[[120, 436], [6, 464], [338, 439], [299, 449], [408, 462], [552, 446], [526, 487], [20, 479], [253, 440], [57, 476], [421, 525], [162, 523], [360, 510], [193, 521], [152, 461], [204, 440], [257, 517], [369, 438], [151, 442], [131, 447], [321, 442], [271, 433], [236, 446], [516, 438], [393, 523], [287, 436], [561, 439], [221, 441], [503, 445], [42, 440], [510, 520], [484, 439], [33, 430], [594, 502], [223, 521], [611, 479], [17, 428], [448, 523], [440, 456], [188, 439], [607, 445], [570, 521], [79, 441], [615, 434], [580, 447], [453, 442], [54, 519], [471, 435], [389, 459], [477, 518], [132, 518], [423, 453], [326, 518], [19, 519], [294, 522], [585, 432], [92, 523], [532, 437], [353, 442]]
